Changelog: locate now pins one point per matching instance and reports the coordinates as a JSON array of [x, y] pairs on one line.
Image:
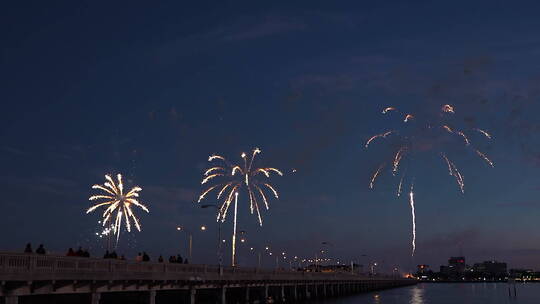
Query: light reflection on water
[[447, 293], [417, 295]]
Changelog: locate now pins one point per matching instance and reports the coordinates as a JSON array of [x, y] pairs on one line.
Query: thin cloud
[[271, 25]]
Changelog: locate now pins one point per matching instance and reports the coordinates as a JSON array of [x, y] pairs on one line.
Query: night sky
[[150, 91]]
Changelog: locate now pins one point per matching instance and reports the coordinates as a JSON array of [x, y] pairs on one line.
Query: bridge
[[96, 281]]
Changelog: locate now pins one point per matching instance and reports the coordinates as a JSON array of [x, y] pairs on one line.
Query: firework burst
[[427, 136], [231, 178], [118, 204]]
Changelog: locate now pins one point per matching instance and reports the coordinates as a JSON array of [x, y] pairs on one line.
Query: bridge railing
[[12, 263], [15, 263]]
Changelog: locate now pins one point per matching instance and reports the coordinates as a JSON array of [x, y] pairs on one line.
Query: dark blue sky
[[151, 90]]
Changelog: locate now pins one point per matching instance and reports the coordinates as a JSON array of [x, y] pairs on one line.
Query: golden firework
[[117, 204], [234, 177]]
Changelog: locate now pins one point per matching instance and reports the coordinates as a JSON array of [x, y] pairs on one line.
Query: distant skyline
[[150, 91]]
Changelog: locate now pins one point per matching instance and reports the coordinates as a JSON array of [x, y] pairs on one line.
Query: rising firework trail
[[413, 214], [118, 204], [231, 178], [423, 135]]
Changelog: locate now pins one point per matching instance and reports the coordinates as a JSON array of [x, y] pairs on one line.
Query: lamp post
[[190, 239], [259, 257], [373, 268], [219, 242]]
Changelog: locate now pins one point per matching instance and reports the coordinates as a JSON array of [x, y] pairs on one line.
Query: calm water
[[448, 293]]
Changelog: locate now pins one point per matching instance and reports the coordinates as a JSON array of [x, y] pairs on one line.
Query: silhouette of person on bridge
[[41, 249], [28, 248], [145, 257]]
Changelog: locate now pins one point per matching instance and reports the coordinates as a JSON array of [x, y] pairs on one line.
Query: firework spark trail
[[238, 176], [413, 213], [452, 170], [388, 109], [213, 169], [212, 157], [397, 159], [448, 163], [447, 128], [408, 117], [399, 186], [482, 155], [465, 138], [382, 135], [486, 134], [459, 177], [448, 109], [374, 176], [209, 177], [117, 201]]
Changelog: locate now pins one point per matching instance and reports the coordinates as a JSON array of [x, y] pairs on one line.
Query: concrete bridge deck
[[33, 275]]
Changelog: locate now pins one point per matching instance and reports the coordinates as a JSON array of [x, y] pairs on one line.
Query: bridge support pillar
[[295, 292], [223, 295], [265, 292], [282, 293], [307, 291], [247, 294], [316, 289], [324, 290], [192, 295], [152, 297], [96, 296], [12, 300]]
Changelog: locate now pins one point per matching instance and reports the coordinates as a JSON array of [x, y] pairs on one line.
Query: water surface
[[448, 293]]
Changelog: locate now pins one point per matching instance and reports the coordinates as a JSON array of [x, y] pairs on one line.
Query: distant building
[[457, 264], [491, 269], [458, 271], [455, 269]]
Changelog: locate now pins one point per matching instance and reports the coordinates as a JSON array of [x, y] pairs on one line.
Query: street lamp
[[259, 256], [220, 241], [190, 239], [373, 268]]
